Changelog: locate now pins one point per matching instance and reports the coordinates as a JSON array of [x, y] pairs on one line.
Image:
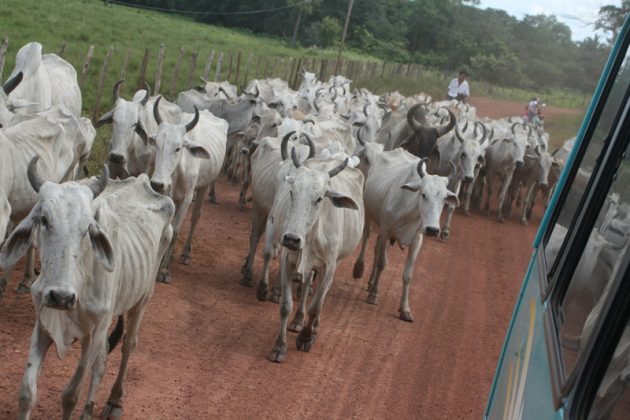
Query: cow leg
[[466, 193], [259, 219], [380, 261], [40, 343], [532, 201], [212, 195], [113, 409], [446, 231], [279, 352], [298, 319], [29, 272], [477, 191], [306, 337], [504, 187], [526, 203], [242, 197], [98, 369], [91, 348], [512, 191], [412, 254], [489, 182], [196, 213], [359, 265], [164, 274], [263, 284]]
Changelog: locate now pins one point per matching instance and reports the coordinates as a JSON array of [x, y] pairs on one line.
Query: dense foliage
[[533, 52]]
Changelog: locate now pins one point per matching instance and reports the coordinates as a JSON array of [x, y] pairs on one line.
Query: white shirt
[[532, 106], [455, 89]]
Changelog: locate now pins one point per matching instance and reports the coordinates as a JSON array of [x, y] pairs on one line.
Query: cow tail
[[114, 338]]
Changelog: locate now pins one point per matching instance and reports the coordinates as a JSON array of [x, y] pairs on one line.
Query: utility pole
[[343, 37]]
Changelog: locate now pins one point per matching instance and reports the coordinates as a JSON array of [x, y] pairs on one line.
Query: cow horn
[[491, 133], [451, 175], [156, 111], [419, 167], [304, 122], [365, 110], [224, 92], [465, 126], [413, 123], [146, 96], [330, 89], [203, 79], [318, 92], [485, 132], [194, 121], [311, 145], [448, 127], [34, 178], [344, 90], [12, 83], [294, 158], [283, 145], [458, 135], [99, 185], [257, 92], [359, 139], [334, 171], [116, 89], [513, 127], [315, 104]]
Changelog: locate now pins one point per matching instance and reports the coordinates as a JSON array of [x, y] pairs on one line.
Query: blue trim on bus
[[580, 137], [519, 300]]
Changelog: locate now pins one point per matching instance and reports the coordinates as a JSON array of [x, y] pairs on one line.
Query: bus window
[[607, 244], [612, 400], [601, 133]]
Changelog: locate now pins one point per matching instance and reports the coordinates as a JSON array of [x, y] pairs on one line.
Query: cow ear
[[108, 118], [481, 160], [102, 247], [412, 186], [196, 150], [451, 199], [142, 134], [19, 242], [341, 201], [152, 139]]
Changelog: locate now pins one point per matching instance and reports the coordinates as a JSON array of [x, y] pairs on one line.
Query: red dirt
[[202, 345], [495, 108]]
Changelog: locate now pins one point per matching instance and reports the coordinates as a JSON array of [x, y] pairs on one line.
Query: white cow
[[318, 214], [404, 202], [48, 80], [188, 159], [100, 255]]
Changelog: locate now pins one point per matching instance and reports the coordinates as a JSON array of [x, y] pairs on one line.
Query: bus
[[567, 350]]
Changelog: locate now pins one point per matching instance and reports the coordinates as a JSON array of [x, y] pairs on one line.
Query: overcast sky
[[573, 13]]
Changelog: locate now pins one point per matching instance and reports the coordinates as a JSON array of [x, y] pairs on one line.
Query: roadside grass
[[561, 128]]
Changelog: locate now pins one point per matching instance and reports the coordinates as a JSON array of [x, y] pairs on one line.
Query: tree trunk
[[297, 27]]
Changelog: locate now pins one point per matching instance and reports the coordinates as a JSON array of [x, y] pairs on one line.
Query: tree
[[304, 9], [611, 19]]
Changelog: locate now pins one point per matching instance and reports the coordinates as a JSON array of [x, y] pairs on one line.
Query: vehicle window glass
[[579, 183], [612, 400], [607, 244]]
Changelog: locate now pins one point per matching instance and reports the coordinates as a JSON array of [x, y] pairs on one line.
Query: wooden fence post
[[322, 65], [101, 83], [206, 70], [62, 49], [158, 72], [289, 72], [266, 67], [4, 45], [229, 72], [296, 73], [256, 72], [193, 67], [238, 68], [383, 69], [143, 69], [123, 69], [249, 63], [218, 72], [178, 65], [86, 64]]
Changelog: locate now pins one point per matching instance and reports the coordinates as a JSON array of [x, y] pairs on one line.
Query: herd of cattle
[[324, 164]]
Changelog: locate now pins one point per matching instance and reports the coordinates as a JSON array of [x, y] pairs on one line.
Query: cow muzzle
[[519, 163], [117, 158], [432, 231], [543, 185], [62, 299], [468, 179], [291, 241], [157, 186]]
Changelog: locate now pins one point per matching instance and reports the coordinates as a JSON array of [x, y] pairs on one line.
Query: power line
[[189, 12]]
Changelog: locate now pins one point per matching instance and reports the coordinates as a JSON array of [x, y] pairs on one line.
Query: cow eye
[[178, 149], [424, 196], [44, 222], [464, 155], [319, 200]]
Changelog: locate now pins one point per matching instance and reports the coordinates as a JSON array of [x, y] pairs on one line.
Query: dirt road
[[202, 346]]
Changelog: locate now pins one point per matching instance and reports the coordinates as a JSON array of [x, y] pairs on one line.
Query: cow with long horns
[[129, 151], [404, 202], [188, 159], [100, 248], [318, 218]]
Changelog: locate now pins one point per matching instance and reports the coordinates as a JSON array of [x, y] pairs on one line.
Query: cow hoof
[[466, 212], [305, 341], [163, 278], [406, 316], [278, 354], [212, 200], [112, 412], [500, 219], [372, 299], [296, 325], [275, 297], [88, 412], [486, 211], [22, 289], [261, 292], [184, 259], [445, 234], [246, 281], [357, 270], [524, 222]]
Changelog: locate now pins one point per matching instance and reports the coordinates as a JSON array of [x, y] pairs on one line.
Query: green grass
[[561, 128]]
